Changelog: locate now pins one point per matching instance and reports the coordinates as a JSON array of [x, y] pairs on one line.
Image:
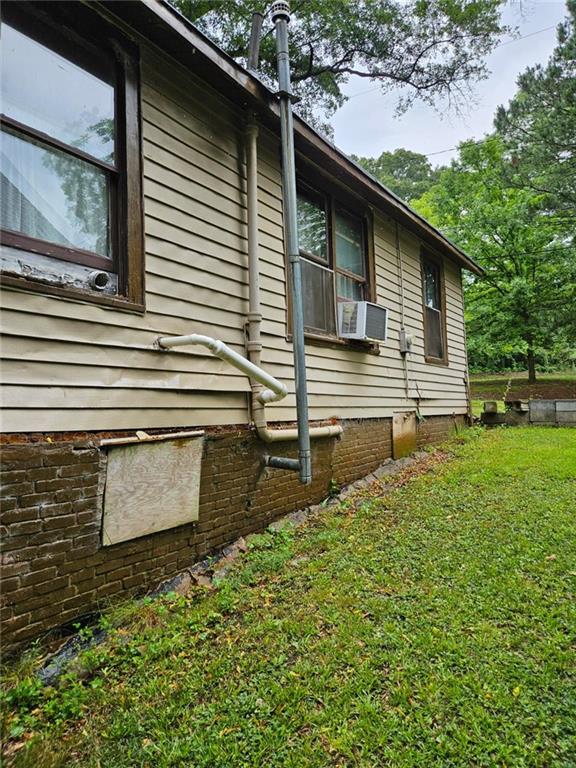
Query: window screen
[[318, 298]]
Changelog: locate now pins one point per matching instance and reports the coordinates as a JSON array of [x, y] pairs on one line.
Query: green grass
[[477, 407], [435, 626]]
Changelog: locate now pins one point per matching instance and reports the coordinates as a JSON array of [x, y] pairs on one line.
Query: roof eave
[[160, 23]]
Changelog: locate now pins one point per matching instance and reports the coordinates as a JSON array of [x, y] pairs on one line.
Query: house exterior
[[124, 219]]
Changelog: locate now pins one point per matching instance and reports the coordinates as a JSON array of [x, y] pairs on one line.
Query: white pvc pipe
[[276, 390], [286, 435], [254, 315]]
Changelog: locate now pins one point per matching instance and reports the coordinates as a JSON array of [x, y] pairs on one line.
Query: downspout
[[402, 309], [254, 343]]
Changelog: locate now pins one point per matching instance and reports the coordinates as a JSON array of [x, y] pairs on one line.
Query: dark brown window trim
[[130, 210], [60, 22], [45, 248], [427, 255], [87, 297], [335, 342], [44, 138]]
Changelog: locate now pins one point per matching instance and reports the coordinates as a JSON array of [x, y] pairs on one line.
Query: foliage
[[408, 174], [525, 303], [539, 125], [428, 49], [432, 626]]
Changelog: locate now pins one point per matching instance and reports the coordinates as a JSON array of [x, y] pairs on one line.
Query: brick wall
[[434, 429], [365, 444], [54, 569]]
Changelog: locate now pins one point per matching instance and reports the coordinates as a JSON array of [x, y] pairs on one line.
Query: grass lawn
[[432, 626], [477, 407]]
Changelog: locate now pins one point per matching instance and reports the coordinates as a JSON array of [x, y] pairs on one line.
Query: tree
[[539, 124], [527, 300], [428, 49], [408, 174]]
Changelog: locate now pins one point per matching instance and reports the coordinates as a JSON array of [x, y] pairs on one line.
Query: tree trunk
[[531, 366]]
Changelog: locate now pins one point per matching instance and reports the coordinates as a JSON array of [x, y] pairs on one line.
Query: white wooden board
[[403, 434], [151, 487]]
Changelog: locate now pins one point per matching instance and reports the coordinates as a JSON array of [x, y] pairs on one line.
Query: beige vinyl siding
[[348, 383], [73, 365]]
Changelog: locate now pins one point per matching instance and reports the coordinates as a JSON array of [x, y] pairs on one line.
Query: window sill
[[37, 286], [437, 361], [333, 342]]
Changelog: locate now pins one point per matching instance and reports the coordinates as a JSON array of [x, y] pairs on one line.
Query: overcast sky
[[366, 124]]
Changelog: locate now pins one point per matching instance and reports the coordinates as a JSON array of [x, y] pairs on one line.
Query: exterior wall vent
[[362, 320]]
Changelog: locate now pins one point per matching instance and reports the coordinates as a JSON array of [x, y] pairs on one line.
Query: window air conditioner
[[362, 320]]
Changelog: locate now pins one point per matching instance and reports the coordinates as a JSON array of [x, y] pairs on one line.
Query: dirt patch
[[550, 389]]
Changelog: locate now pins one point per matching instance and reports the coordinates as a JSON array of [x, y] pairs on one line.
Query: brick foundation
[[54, 569]]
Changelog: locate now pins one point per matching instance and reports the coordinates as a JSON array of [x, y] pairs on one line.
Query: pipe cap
[[280, 10]]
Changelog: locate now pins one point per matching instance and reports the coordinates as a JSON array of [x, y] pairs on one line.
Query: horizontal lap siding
[[351, 383], [72, 365]]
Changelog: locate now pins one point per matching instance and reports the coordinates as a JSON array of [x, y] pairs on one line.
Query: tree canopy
[[525, 305], [424, 49], [510, 202], [408, 174], [539, 124]]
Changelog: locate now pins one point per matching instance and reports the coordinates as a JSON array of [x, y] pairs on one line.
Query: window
[[333, 247], [70, 155], [434, 313]]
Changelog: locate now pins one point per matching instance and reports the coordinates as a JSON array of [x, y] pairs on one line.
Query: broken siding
[[70, 365]]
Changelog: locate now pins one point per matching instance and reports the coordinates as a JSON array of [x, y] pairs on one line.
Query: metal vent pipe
[[280, 12], [255, 33]]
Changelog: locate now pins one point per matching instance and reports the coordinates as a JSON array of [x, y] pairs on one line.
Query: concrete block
[[543, 411], [566, 412]]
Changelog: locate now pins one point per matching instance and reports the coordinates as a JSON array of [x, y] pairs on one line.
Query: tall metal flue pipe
[[280, 13]]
